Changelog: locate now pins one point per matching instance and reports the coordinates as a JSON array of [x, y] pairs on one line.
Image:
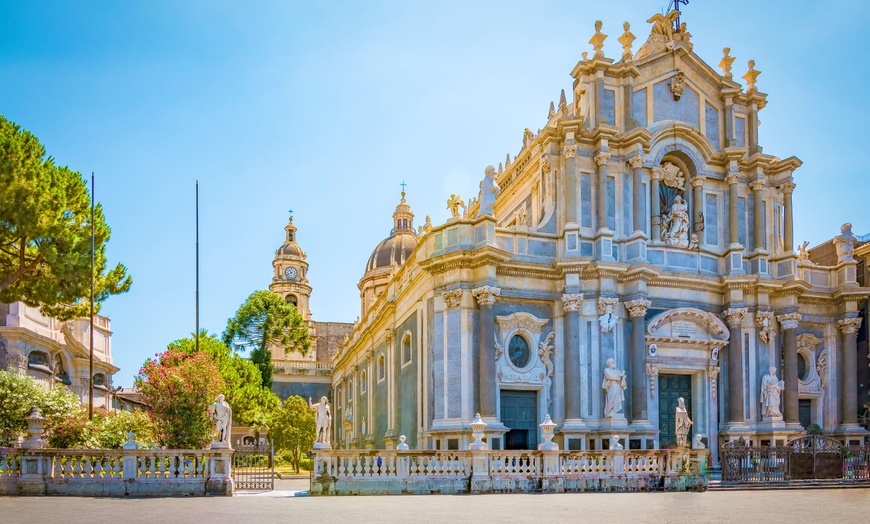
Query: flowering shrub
[[20, 393], [178, 389]]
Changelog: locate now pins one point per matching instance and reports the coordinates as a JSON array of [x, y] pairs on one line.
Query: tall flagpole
[[197, 266], [91, 356]]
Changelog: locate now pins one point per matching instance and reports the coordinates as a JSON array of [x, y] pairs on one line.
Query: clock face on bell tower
[[291, 273]]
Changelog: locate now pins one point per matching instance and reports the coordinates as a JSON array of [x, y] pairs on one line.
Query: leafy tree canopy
[[266, 320], [45, 232], [250, 401], [293, 428], [20, 393]]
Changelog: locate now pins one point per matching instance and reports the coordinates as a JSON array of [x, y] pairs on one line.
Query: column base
[[642, 425]]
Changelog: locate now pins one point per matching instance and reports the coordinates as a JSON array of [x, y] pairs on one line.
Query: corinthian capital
[[657, 173], [485, 295], [732, 178], [452, 298], [698, 180], [637, 307], [572, 301], [570, 151], [758, 185], [789, 320], [636, 162], [734, 315], [849, 325], [788, 187], [602, 158]]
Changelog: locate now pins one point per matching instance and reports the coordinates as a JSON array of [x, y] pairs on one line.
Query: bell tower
[[290, 278]]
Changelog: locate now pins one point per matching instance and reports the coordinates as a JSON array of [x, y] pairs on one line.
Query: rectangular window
[[711, 220], [626, 205], [585, 200], [740, 131], [741, 220], [406, 349], [611, 203]]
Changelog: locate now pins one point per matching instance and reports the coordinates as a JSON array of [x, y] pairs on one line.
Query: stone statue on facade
[[454, 203], [323, 421], [677, 224], [222, 415], [614, 385], [489, 190], [607, 318], [661, 36], [771, 394], [845, 243], [682, 422]]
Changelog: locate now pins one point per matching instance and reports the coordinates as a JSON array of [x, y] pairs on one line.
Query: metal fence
[[254, 467], [803, 459]]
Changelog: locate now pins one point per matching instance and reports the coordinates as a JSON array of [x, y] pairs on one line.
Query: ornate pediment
[[521, 320], [688, 324]]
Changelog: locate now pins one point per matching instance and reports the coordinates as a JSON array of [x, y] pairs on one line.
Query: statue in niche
[[677, 224], [614, 443], [489, 190], [614, 385], [454, 203], [682, 422], [322, 420], [771, 394], [222, 415]]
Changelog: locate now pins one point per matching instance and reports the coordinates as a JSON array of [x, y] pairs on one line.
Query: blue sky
[[325, 109]]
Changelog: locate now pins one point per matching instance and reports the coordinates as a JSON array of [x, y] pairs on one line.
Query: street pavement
[[288, 504]]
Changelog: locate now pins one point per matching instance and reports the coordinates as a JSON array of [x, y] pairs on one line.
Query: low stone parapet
[[388, 472], [135, 472]]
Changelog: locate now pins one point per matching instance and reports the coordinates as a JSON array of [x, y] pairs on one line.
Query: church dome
[[397, 247], [290, 248]]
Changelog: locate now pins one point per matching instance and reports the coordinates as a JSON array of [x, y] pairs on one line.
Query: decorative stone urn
[[131, 443], [402, 446], [35, 428], [477, 431], [547, 427]]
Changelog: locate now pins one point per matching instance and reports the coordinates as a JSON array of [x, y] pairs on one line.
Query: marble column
[[788, 220], [570, 154], [571, 303], [758, 186], [789, 323], [848, 372], [639, 409], [733, 214], [485, 296], [736, 392], [655, 208], [601, 160], [698, 205], [637, 194]]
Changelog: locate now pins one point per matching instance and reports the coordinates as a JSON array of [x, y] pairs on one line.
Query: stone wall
[[330, 336]]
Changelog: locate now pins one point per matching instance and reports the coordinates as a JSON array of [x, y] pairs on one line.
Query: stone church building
[[642, 231]]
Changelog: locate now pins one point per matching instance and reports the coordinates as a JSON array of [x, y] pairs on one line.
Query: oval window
[[803, 367], [518, 351]]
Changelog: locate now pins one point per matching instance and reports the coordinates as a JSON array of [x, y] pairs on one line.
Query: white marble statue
[[613, 385], [844, 243], [614, 443], [488, 191], [677, 233], [323, 420], [608, 318], [771, 394], [682, 422], [697, 443], [222, 415]]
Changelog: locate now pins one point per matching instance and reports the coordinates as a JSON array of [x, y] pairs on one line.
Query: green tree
[[178, 389], [250, 401], [20, 393], [293, 428], [265, 320], [45, 230]]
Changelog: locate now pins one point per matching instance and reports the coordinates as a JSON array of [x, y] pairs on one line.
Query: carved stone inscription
[[683, 328]]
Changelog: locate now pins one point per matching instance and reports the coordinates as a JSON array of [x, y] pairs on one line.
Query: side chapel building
[[642, 224]]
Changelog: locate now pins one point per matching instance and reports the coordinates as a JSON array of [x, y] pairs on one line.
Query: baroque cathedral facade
[[640, 251]]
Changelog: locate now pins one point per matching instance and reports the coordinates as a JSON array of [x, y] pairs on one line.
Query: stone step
[[716, 485]]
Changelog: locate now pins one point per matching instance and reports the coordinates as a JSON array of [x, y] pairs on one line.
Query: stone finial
[[585, 56], [500, 168], [131, 442], [844, 243], [614, 443], [725, 63], [552, 112], [402, 445], [485, 295], [572, 301], [507, 161], [751, 76], [597, 40], [626, 40], [35, 428], [478, 426], [547, 427], [563, 103]]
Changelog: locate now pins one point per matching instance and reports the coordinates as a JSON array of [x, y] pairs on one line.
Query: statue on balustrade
[[222, 415], [683, 423], [488, 191], [771, 394], [675, 225], [323, 421], [613, 385]]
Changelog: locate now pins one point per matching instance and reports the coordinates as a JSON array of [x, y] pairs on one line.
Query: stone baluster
[[637, 196], [698, 205], [637, 310], [601, 160], [734, 318], [571, 303], [788, 224], [789, 323], [485, 296], [848, 371], [655, 204], [570, 154]]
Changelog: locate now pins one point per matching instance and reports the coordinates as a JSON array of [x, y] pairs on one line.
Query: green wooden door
[[671, 388], [519, 412]]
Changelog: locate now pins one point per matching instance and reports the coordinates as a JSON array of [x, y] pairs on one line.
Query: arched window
[[349, 391], [382, 368], [291, 298], [362, 382]]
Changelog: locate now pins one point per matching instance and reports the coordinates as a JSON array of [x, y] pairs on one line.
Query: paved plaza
[[769, 506]]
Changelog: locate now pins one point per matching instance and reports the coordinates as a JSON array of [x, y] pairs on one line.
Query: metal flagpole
[[197, 266], [91, 356]]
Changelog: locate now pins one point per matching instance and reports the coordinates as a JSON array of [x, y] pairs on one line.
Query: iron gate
[[254, 467], [806, 458]]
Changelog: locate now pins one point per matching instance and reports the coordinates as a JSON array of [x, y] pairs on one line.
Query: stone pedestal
[[220, 480], [322, 445]]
